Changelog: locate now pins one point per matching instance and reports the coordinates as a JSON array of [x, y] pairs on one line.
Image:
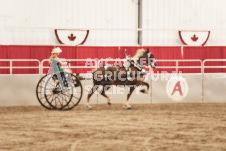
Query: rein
[[136, 65]]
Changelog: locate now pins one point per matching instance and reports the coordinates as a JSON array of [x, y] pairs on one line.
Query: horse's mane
[[139, 53]]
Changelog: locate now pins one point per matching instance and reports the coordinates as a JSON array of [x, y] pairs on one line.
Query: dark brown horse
[[131, 75]]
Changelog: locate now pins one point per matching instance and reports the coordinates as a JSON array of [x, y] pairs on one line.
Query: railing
[[118, 60], [177, 66], [11, 67], [213, 66], [88, 61], [106, 60], [96, 63], [210, 67]]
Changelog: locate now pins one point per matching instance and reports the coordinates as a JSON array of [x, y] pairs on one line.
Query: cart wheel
[[77, 92], [40, 93], [56, 91], [63, 91]]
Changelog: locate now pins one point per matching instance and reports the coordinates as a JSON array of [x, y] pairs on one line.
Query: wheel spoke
[[65, 99], [59, 100], [52, 99], [75, 97]]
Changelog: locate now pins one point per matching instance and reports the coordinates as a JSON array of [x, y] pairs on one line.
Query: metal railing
[[106, 60], [11, 67], [118, 60], [93, 62], [96, 63], [213, 66], [177, 66]]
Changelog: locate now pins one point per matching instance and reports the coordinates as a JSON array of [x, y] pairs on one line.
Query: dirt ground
[[147, 128]]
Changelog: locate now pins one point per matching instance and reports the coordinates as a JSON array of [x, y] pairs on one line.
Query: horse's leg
[[102, 92], [127, 105], [146, 84], [94, 88]]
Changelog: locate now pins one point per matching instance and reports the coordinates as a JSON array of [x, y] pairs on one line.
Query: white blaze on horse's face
[[152, 60], [153, 64], [149, 55]]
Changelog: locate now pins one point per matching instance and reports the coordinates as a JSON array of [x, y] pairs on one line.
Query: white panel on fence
[[186, 90], [18, 90], [214, 87]]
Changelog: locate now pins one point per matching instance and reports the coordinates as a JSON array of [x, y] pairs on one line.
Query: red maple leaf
[[194, 38], [71, 37]]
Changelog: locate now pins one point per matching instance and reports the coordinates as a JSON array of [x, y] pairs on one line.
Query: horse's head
[[144, 57], [151, 59]]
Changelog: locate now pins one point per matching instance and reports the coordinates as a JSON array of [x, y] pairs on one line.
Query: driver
[[57, 64]]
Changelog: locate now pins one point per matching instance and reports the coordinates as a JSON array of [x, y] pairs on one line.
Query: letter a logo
[[177, 87]]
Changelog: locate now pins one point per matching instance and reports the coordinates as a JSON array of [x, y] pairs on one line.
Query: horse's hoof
[[89, 107], [109, 103], [127, 107], [143, 91]]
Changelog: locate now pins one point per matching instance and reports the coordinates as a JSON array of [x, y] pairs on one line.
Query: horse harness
[[128, 68], [127, 65]]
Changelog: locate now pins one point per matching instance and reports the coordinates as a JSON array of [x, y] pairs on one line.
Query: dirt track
[[146, 127]]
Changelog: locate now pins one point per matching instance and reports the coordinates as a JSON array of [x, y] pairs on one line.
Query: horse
[[131, 75]]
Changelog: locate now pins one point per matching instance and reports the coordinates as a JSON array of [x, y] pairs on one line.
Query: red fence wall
[[83, 52]]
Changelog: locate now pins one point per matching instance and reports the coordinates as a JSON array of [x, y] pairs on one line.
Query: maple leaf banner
[[194, 38], [71, 37]]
